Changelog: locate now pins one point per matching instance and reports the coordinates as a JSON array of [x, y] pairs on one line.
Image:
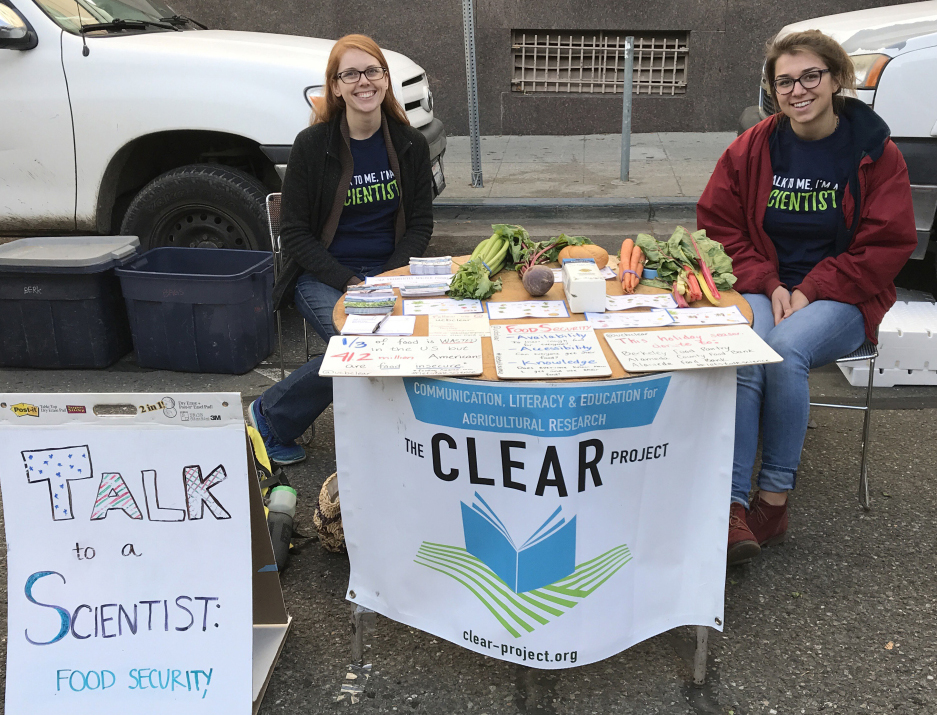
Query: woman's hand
[[781, 304], [353, 281], [798, 301]]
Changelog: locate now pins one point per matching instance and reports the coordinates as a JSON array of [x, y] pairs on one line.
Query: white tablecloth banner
[[549, 524]]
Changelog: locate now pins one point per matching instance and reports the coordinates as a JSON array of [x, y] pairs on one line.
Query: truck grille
[[766, 101]]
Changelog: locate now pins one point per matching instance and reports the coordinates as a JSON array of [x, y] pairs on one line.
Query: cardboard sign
[[130, 555], [526, 517], [547, 350], [367, 356], [648, 351]]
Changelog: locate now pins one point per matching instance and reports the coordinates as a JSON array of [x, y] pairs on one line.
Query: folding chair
[[273, 222], [867, 351]]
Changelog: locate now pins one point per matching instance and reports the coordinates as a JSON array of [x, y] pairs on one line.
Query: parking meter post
[[471, 78], [626, 109]]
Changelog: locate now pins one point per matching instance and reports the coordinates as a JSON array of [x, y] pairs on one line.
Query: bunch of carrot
[[630, 265]]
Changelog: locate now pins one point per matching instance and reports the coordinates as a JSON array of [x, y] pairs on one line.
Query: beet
[[538, 280]]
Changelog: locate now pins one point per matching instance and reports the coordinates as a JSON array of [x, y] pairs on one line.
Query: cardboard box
[[584, 286]]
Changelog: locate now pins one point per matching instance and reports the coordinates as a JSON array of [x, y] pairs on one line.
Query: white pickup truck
[[120, 116], [894, 50]]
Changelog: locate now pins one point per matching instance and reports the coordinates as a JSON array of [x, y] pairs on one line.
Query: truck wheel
[[200, 206]]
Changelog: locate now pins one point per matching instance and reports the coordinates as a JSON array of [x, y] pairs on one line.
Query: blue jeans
[[777, 396], [293, 404], [315, 301]]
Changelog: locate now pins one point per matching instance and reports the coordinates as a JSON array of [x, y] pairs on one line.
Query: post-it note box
[[584, 285]]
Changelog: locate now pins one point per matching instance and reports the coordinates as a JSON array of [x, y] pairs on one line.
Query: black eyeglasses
[[808, 80], [352, 76]]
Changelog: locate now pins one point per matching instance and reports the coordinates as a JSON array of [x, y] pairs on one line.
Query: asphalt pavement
[[841, 619]]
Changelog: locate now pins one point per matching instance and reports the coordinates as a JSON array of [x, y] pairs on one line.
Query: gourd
[[586, 251]]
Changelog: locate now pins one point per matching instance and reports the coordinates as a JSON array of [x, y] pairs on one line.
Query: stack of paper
[[379, 325], [369, 300], [424, 291]]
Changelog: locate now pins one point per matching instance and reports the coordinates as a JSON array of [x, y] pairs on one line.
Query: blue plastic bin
[[60, 302], [200, 309]]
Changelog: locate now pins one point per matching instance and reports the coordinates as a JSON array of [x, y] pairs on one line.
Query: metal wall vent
[[594, 61]]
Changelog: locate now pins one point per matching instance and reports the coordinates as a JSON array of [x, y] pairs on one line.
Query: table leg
[[700, 656], [361, 619]]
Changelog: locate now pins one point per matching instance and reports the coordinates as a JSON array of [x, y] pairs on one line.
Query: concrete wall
[[727, 38]]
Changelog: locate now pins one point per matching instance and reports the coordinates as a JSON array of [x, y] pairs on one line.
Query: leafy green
[[531, 253], [716, 258], [473, 281], [668, 258]]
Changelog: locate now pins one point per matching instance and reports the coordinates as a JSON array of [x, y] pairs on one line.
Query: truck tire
[[200, 206]]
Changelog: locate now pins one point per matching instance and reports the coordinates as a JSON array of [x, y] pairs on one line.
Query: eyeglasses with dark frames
[[352, 76], [808, 80]]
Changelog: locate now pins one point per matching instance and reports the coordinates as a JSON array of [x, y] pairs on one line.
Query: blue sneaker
[[276, 451]]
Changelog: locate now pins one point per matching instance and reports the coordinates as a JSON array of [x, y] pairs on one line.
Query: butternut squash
[[587, 251]]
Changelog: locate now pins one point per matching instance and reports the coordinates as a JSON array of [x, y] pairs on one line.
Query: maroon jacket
[[874, 244]]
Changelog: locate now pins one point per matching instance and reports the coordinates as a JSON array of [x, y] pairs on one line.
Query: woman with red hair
[[357, 201]]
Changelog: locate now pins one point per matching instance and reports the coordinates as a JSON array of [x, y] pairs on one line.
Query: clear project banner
[[548, 524], [129, 554]]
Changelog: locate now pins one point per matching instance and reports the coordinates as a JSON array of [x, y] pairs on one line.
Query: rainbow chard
[[680, 289], [694, 292], [713, 293]]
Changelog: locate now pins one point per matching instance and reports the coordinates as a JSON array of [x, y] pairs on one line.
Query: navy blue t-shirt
[[805, 212], [364, 238]]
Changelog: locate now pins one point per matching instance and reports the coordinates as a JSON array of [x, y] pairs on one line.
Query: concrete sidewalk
[[584, 167]]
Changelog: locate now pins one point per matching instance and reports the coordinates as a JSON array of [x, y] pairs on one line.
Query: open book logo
[[527, 586], [547, 556]]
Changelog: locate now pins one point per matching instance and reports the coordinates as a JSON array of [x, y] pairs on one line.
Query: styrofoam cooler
[[907, 348]]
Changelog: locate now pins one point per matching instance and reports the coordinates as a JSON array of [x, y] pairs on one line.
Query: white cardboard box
[[858, 375], [584, 286], [908, 338]]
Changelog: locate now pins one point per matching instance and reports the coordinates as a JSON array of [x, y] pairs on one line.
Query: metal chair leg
[[866, 426], [280, 345], [701, 655]]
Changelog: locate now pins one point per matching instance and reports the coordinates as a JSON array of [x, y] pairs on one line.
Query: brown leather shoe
[[767, 522], [743, 546]]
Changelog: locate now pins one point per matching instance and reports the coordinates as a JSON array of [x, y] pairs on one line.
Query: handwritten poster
[[548, 350], [129, 562], [688, 349], [367, 356]]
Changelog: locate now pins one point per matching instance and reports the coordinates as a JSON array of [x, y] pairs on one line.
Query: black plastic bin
[[200, 309], [60, 302]]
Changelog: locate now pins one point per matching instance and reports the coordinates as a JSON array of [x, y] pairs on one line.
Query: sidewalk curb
[[506, 210]]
